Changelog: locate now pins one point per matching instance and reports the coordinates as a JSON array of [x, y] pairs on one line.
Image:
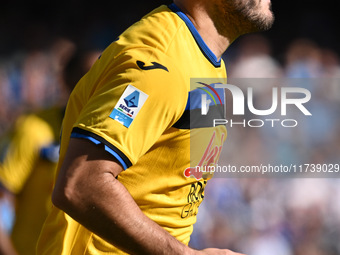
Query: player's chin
[[264, 23]]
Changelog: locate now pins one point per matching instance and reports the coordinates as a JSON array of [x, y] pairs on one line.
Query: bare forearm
[[87, 190], [112, 214]]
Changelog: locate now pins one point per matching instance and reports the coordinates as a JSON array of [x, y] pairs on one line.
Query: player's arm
[[87, 190]]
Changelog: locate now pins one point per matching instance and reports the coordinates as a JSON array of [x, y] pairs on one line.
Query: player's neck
[[217, 42]]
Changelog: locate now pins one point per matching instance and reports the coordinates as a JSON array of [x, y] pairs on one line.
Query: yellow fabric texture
[[158, 151]]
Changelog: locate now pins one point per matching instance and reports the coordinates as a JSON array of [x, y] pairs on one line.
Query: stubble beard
[[254, 16], [237, 17]]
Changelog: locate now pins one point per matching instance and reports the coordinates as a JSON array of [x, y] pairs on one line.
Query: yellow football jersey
[[27, 169], [137, 100]]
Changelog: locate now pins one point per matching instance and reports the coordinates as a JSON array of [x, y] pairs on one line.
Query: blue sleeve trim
[[205, 49], [109, 150], [81, 133]]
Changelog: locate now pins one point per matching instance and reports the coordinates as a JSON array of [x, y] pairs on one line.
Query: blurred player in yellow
[[29, 155], [27, 171], [122, 184]]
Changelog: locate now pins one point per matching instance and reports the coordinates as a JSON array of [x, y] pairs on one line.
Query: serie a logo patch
[[128, 105]]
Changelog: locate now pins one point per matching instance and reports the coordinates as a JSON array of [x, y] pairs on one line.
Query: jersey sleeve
[[135, 98]]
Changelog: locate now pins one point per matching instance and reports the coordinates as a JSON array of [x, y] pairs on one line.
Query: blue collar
[[204, 48]]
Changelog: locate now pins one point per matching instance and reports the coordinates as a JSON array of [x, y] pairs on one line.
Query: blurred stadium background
[[257, 216]]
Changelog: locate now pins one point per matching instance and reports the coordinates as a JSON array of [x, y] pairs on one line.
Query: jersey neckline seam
[[199, 40]]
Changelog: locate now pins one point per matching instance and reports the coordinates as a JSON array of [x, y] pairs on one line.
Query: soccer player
[[28, 157], [122, 183]]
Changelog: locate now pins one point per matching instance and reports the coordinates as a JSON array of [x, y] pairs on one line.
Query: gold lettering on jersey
[[196, 192], [194, 198]]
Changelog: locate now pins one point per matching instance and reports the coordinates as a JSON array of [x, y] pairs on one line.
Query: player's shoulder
[[33, 126], [141, 55], [155, 32], [152, 71]]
